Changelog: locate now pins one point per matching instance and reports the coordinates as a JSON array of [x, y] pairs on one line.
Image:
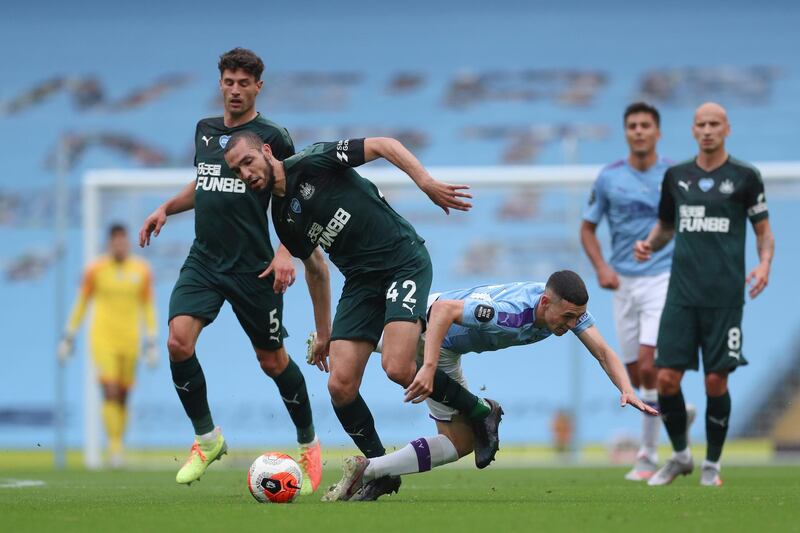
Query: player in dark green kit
[[320, 200], [705, 203], [230, 249]]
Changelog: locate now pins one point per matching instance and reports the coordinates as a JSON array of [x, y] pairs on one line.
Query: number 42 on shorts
[[409, 302]]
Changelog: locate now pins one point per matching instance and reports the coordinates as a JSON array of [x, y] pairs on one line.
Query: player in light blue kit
[[483, 319], [627, 193]]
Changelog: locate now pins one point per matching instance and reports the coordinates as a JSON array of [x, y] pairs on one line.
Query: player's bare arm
[[659, 236], [319, 288], [183, 201], [445, 195], [443, 314], [758, 278], [606, 276], [599, 348], [283, 267]]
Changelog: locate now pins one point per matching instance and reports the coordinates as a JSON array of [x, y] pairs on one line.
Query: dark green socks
[[449, 392], [673, 413], [718, 414], [190, 384], [292, 387], [357, 421]]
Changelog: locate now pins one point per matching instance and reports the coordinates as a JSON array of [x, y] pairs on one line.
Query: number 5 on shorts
[[274, 326]]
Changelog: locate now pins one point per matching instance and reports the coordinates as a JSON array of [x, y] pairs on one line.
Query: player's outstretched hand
[[758, 279], [317, 351], [422, 386], [642, 251], [285, 273], [152, 225], [447, 196], [632, 400]]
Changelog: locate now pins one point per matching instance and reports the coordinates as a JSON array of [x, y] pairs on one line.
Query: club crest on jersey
[[705, 184], [306, 190], [223, 141], [726, 187], [295, 205]]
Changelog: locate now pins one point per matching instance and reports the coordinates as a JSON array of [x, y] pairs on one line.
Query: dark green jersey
[[709, 211], [329, 204], [231, 222]]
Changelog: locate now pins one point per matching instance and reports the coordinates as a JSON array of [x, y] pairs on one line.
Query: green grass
[[496, 499]]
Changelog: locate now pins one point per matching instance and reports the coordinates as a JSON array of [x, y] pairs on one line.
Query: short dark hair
[[642, 107], [241, 58], [568, 285], [250, 137], [117, 228]]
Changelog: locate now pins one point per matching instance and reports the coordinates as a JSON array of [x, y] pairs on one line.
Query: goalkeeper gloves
[[66, 347], [150, 352]]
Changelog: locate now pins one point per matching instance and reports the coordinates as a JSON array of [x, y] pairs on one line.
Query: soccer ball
[[274, 477]]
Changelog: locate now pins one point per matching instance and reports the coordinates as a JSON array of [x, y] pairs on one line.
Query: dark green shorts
[[200, 292], [717, 331], [370, 301]]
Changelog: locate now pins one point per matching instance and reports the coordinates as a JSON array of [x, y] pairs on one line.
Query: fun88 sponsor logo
[[209, 179], [693, 218]]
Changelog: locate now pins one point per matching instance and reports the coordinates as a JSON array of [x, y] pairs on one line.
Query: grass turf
[[505, 499]]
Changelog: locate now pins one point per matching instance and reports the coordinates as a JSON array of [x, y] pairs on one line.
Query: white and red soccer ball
[[274, 477]]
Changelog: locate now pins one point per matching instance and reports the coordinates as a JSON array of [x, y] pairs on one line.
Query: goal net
[[523, 226]]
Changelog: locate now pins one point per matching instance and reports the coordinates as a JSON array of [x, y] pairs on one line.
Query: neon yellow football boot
[[201, 456]]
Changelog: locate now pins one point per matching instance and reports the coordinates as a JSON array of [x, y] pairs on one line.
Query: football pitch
[[496, 499]]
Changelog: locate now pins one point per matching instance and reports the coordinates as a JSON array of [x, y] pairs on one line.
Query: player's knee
[[273, 363], [112, 392], [669, 382], [647, 373], [716, 384], [179, 348], [402, 374], [342, 392]]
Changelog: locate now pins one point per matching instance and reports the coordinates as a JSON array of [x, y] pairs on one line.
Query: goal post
[[131, 194]]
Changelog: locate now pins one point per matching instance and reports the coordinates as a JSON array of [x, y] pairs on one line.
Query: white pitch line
[[20, 483]]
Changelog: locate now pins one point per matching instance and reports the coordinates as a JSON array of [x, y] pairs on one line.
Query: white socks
[[419, 455], [651, 426]]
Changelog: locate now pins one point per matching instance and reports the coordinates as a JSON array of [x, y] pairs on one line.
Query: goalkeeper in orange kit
[[122, 289]]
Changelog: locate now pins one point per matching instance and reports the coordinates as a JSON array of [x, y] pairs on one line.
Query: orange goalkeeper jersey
[[123, 298]]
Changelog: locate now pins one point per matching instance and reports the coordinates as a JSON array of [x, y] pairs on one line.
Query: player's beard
[[270, 178]]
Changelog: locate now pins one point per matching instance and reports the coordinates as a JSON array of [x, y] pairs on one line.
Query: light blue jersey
[[629, 199], [499, 316]]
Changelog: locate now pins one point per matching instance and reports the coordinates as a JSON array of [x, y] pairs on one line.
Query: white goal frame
[[96, 181]]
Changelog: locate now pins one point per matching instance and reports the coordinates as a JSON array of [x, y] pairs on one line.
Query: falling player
[[483, 319]]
